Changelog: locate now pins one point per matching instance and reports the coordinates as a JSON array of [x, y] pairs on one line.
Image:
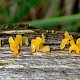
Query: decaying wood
[[54, 65]]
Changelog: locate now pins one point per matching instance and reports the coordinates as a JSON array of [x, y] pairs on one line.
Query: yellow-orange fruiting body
[[33, 45], [25, 40], [64, 42], [71, 37], [39, 42], [43, 38], [45, 49], [13, 46], [75, 48], [66, 34], [72, 42], [78, 42], [18, 40], [36, 44]]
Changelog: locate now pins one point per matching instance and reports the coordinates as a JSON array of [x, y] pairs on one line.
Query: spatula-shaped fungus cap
[[13, 46], [25, 40]]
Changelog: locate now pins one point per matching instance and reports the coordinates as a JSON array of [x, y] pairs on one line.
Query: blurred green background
[[50, 14]]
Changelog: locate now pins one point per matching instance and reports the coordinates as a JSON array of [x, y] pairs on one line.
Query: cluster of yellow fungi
[[36, 44], [16, 43], [73, 46]]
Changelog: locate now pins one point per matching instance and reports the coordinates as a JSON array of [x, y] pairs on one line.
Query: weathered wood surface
[[55, 65]]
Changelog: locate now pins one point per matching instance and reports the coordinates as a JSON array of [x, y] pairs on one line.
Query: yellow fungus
[[36, 44], [18, 40], [71, 37], [64, 42], [74, 47], [45, 49], [43, 38], [33, 45], [39, 41], [72, 42], [66, 34], [13, 46], [25, 40], [78, 42]]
